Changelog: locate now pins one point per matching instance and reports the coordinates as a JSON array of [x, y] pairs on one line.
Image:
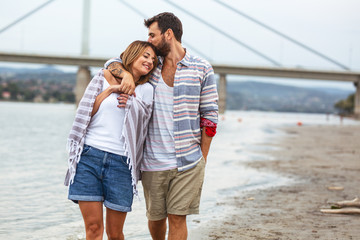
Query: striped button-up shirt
[[195, 97]]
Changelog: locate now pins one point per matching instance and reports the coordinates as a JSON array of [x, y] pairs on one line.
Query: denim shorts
[[102, 177]]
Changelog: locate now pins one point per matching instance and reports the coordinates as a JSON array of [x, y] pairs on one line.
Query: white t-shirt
[[105, 128], [159, 152]]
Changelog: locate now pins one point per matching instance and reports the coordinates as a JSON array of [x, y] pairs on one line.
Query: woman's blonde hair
[[133, 52]]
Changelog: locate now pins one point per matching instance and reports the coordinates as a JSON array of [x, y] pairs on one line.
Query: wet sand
[[317, 158]]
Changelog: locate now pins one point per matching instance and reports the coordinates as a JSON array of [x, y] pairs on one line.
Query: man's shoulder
[[196, 60]]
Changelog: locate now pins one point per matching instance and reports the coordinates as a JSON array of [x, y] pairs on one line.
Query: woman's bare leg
[[92, 213], [115, 224]]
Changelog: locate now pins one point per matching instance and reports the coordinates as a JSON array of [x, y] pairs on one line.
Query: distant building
[[38, 99], [6, 95]]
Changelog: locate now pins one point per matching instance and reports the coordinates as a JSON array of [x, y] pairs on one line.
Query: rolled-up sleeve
[[110, 61], [209, 96]]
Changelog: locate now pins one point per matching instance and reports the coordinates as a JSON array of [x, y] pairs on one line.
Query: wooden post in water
[[222, 93], [357, 100], [83, 78]]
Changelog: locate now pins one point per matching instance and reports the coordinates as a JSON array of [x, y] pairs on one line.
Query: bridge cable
[[25, 16], [145, 17], [283, 35], [226, 35]]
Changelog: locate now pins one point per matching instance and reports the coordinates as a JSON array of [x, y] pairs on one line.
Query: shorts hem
[[186, 212], [77, 198], [180, 213], [155, 218], [116, 207]]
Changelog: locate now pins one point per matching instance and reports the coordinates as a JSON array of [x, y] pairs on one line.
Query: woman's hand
[[115, 88], [122, 99]]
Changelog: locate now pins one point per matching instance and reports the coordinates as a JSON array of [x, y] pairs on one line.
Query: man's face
[[158, 40]]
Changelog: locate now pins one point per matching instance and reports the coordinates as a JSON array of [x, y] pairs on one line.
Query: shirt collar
[[186, 59]]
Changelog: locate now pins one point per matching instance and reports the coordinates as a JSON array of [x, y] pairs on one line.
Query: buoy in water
[[299, 124]]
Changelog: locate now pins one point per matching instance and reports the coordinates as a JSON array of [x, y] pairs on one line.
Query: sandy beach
[[251, 151], [324, 162]]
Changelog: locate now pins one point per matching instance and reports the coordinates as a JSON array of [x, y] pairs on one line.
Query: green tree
[[56, 95], [14, 90], [46, 97], [29, 95], [68, 97], [347, 105]]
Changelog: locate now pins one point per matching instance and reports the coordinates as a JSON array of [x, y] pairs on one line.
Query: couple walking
[[150, 115]]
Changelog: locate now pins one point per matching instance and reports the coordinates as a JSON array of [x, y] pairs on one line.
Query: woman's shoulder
[[145, 92], [146, 87]]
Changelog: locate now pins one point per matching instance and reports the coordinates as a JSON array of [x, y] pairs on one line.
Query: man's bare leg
[[177, 227], [157, 229]]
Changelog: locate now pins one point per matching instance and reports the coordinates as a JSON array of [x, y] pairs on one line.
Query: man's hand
[[127, 84], [205, 144]]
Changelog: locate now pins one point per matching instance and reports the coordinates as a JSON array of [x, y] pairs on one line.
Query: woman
[[102, 144]]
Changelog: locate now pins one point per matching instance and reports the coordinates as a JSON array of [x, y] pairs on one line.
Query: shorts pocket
[[86, 150], [123, 159]]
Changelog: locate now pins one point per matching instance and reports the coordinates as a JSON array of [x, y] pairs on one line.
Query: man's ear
[[169, 34]]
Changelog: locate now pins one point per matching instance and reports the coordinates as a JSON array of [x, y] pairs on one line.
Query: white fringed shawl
[[82, 119], [137, 116]]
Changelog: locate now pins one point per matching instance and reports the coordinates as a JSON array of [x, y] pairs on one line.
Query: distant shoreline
[[7, 101], [243, 94], [334, 114]]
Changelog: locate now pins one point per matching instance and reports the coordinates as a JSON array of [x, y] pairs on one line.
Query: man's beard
[[163, 49]]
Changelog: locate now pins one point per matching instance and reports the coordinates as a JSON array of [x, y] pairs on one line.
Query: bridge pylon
[[83, 78], [222, 93], [357, 99]]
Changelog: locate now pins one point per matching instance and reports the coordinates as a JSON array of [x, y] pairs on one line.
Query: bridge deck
[[219, 69]]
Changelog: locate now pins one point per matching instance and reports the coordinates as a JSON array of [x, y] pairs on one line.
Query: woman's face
[[144, 63]]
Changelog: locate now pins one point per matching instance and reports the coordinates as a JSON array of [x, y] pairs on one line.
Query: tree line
[[346, 106], [36, 90], [59, 87]]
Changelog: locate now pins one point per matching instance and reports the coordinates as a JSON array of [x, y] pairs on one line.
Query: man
[[180, 131]]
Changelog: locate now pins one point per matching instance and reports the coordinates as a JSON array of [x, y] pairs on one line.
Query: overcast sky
[[331, 27]]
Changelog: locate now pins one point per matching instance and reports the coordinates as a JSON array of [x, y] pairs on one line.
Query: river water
[[33, 200]]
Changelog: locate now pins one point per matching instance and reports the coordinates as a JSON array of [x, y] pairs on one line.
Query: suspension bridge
[[84, 61]]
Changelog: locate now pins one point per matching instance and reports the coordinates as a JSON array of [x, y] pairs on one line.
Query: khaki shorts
[[173, 192]]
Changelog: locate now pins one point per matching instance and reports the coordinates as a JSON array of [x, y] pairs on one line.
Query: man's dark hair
[[165, 21]]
